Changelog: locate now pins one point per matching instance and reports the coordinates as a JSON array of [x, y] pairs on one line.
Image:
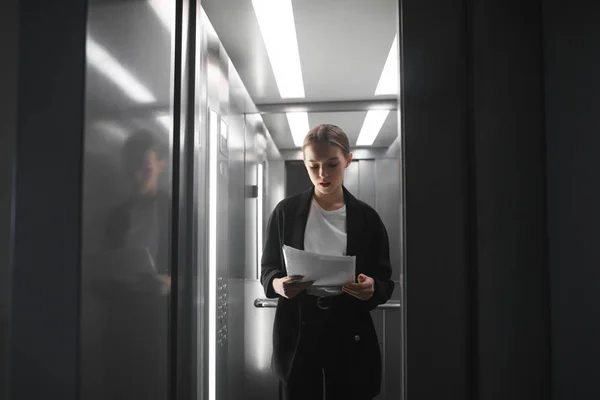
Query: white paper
[[326, 271]]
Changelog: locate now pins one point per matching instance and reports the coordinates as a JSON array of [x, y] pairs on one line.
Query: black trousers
[[318, 372]]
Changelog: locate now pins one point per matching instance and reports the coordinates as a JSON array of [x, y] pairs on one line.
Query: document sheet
[[327, 271]]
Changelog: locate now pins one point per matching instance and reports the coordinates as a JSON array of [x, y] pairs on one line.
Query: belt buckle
[[320, 303]]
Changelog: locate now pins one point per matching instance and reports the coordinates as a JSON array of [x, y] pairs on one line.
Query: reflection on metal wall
[[126, 201]]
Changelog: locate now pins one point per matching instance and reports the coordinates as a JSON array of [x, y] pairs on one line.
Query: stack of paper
[[326, 271]]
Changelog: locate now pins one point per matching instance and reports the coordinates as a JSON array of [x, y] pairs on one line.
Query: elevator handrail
[[272, 303]]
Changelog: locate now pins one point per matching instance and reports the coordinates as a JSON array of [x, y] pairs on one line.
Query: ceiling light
[[276, 22], [388, 81], [371, 127], [298, 122], [109, 66]]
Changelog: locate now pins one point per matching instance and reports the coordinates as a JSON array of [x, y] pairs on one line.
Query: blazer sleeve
[[271, 264], [381, 266]]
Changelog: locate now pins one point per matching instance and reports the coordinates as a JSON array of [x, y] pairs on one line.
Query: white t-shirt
[[325, 234]]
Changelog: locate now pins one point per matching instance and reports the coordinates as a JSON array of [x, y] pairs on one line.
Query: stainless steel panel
[[251, 211], [237, 195], [260, 382], [388, 205], [275, 185], [126, 201], [366, 184], [351, 178], [236, 246], [218, 101]]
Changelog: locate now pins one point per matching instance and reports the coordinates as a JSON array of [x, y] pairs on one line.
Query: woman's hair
[[328, 133], [138, 144]]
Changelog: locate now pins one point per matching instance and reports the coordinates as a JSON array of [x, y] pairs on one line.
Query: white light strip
[[212, 254], [259, 225], [166, 121], [371, 127], [388, 81], [109, 66], [298, 122], [276, 22], [165, 10]]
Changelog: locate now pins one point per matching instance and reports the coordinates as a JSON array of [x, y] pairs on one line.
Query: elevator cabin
[[205, 106]]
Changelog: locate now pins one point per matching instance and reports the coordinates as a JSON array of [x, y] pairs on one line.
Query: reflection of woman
[[319, 338], [138, 278]]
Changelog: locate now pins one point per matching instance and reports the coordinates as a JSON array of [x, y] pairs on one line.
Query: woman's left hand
[[362, 290]]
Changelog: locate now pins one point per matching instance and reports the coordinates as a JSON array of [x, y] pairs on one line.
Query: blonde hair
[[328, 133]]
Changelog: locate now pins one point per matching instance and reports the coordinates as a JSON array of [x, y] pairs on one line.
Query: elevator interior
[[240, 159]]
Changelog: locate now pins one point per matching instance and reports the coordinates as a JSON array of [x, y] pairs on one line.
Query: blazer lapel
[[300, 219]]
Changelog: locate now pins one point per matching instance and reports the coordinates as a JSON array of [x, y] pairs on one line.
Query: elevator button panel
[[222, 311]]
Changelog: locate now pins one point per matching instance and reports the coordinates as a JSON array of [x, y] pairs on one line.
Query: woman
[[322, 342]]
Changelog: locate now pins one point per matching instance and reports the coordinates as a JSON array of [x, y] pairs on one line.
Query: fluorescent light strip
[[212, 255], [298, 122], [388, 81], [371, 127], [109, 66], [166, 121], [259, 225], [165, 10], [276, 22]]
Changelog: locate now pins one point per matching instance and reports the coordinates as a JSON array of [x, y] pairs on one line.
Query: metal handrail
[[272, 303]]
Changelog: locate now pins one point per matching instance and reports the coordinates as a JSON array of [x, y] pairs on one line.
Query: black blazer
[[367, 240]]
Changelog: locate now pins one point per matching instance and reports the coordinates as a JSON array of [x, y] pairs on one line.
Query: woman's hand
[[290, 286], [362, 290]]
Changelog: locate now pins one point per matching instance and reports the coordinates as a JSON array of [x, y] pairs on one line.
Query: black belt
[[321, 302]]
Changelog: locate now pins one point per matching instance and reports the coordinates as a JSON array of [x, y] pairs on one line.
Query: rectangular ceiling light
[[276, 22], [388, 81], [110, 67], [298, 122], [371, 127]]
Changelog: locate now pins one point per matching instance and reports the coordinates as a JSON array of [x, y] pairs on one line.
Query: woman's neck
[[331, 201]]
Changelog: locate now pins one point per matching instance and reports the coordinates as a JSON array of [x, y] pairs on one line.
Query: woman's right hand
[[290, 286]]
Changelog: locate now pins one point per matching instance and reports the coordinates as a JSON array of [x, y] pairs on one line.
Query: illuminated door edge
[[212, 251]]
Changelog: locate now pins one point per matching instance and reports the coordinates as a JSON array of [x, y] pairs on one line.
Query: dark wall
[[437, 199], [572, 86], [45, 325], [476, 273], [511, 308], [8, 126]]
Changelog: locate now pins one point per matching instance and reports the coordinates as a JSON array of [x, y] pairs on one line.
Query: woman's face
[[325, 163]]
